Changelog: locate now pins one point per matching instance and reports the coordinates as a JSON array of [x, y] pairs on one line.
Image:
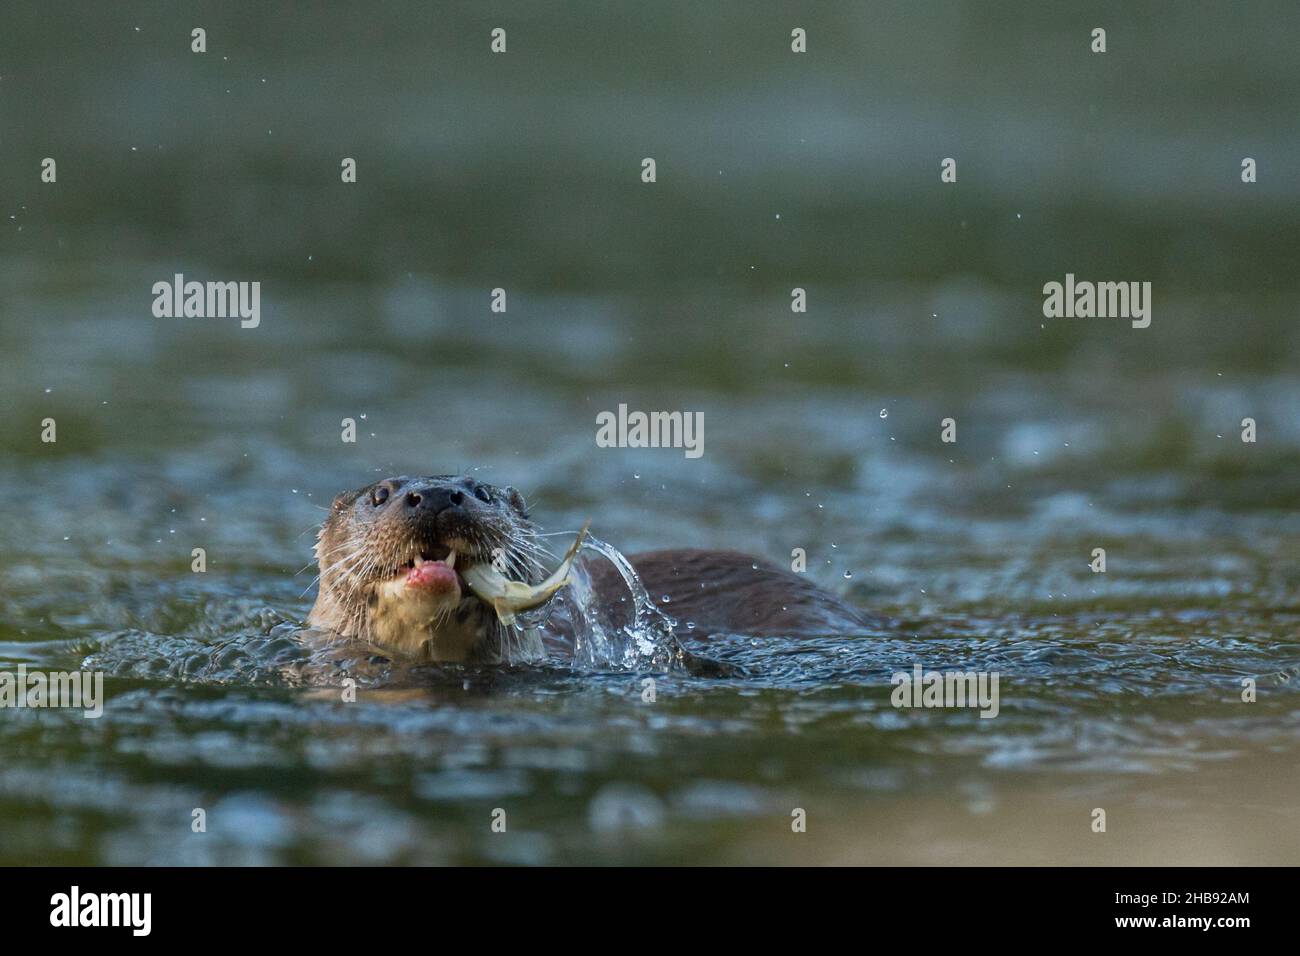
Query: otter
[[393, 556]]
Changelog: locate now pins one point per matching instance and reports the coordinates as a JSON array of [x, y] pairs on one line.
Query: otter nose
[[434, 500]]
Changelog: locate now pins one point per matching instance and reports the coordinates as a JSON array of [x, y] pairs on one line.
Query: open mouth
[[434, 569], [430, 571], [438, 552], [438, 572]]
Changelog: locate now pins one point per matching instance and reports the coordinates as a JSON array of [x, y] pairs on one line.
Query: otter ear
[[516, 501]]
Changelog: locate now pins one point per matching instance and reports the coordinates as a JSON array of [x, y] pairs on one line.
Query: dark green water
[[1119, 690]]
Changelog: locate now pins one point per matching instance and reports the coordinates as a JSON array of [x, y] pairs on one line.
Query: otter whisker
[[321, 574]]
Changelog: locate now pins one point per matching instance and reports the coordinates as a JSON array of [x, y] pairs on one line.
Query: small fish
[[508, 597]]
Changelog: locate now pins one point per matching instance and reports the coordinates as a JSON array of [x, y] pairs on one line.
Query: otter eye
[[379, 495], [482, 494]]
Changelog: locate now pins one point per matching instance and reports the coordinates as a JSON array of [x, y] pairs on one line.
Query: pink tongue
[[432, 576]]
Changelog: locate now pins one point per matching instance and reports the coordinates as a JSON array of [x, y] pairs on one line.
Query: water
[[1119, 691], [640, 638]]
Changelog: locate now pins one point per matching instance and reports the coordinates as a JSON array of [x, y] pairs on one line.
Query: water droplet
[[848, 575], [884, 413]]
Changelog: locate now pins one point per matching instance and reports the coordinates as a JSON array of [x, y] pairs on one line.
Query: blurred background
[[775, 170]]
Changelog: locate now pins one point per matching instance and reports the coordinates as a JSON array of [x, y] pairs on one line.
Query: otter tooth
[[418, 560], [450, 559]]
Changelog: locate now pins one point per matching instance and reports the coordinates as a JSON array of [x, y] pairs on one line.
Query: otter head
[[391, 559]]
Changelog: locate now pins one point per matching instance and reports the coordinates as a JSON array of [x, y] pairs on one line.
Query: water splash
[[633, 636]]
